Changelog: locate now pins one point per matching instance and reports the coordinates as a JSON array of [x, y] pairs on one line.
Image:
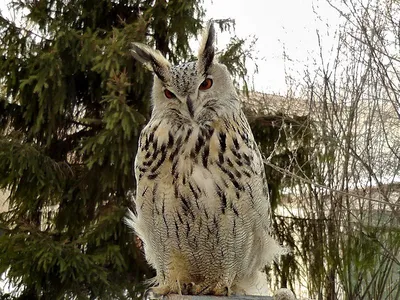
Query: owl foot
[[188, 288], [195, 289], [157, 292], [201, 289], [221, 291]]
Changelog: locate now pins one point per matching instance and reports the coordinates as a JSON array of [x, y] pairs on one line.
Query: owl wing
[[241, 162], [240, 186]]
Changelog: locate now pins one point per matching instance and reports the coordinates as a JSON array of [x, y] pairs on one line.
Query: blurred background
[[319, 82]]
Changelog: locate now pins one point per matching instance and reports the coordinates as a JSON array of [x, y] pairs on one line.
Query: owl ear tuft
[[152, 59], [207, 49]]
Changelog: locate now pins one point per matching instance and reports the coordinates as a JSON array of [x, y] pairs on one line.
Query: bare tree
[[342, 186]]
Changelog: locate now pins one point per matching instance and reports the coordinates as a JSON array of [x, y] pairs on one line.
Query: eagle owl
[[202, 206]]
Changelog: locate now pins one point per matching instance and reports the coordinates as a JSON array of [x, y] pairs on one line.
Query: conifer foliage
[[72, 103]]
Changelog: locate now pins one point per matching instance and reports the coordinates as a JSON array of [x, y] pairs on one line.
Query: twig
[[307, 180]]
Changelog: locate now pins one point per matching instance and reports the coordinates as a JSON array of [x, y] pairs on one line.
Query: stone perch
[[281, 294]]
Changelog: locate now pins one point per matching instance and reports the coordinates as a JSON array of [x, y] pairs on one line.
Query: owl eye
[[206, 84], [169, 94]]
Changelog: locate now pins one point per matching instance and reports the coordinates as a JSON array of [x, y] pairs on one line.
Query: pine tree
[[72, 103]]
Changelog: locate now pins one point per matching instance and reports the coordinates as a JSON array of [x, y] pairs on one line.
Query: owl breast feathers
[[202, 206]]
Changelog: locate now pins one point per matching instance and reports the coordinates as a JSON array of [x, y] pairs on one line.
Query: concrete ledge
[[184, 297]]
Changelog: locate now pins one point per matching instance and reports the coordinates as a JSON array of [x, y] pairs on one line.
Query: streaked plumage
[[202, 206]]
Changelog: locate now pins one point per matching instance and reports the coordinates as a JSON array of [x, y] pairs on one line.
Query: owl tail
[[256, 284], [272, 250], [130, 220]]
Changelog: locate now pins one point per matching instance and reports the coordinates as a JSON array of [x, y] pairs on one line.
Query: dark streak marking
[[174, 154], [145, 190], [170, 140], [251, 195], [229, 162], [199, 143], [146, 145], [152, 176], [247, 159], [175, 172], [246, 173], [237, 185], [186, 205], [210, 132], [155, 144], [209, 232], [236, 153], [206, 213], [227, 124], [187, 229], [203, 131], [189, 133], [238, 174], [180, 218], [226, 171], [155, 154], [177, 148], [179, 142], [197, 204], [225, 183], [235, 211], [155, 187], [193, 154], [231, 177], [205, 156], [164, 218], [176, 192], [222, 141], [160, 162], [244, 137], [215, 221], [220, 158], [223, 199], [177, 232], [151, 136], [236, 143], [142, 170], [189, 104], [195, 194]]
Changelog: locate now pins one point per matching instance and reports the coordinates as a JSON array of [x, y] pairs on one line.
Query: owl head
[[195, 90]]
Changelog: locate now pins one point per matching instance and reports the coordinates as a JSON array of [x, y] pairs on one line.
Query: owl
[[201, 206]]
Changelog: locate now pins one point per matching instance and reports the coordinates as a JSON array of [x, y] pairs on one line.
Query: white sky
[[279, 25]]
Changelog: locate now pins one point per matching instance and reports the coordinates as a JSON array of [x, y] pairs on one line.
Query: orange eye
[[206, 84], [169, 94]]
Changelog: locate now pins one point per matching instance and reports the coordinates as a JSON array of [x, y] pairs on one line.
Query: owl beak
[[189, 103]]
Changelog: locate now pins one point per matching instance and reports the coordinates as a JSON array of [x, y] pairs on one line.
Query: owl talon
[[156, 293], [197, 289], [187, 288], [221, 291]]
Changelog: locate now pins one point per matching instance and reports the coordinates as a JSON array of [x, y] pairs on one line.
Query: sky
[[284, 26]]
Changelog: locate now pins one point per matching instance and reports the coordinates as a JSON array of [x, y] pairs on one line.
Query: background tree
[[342, 209], [72, 103]]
